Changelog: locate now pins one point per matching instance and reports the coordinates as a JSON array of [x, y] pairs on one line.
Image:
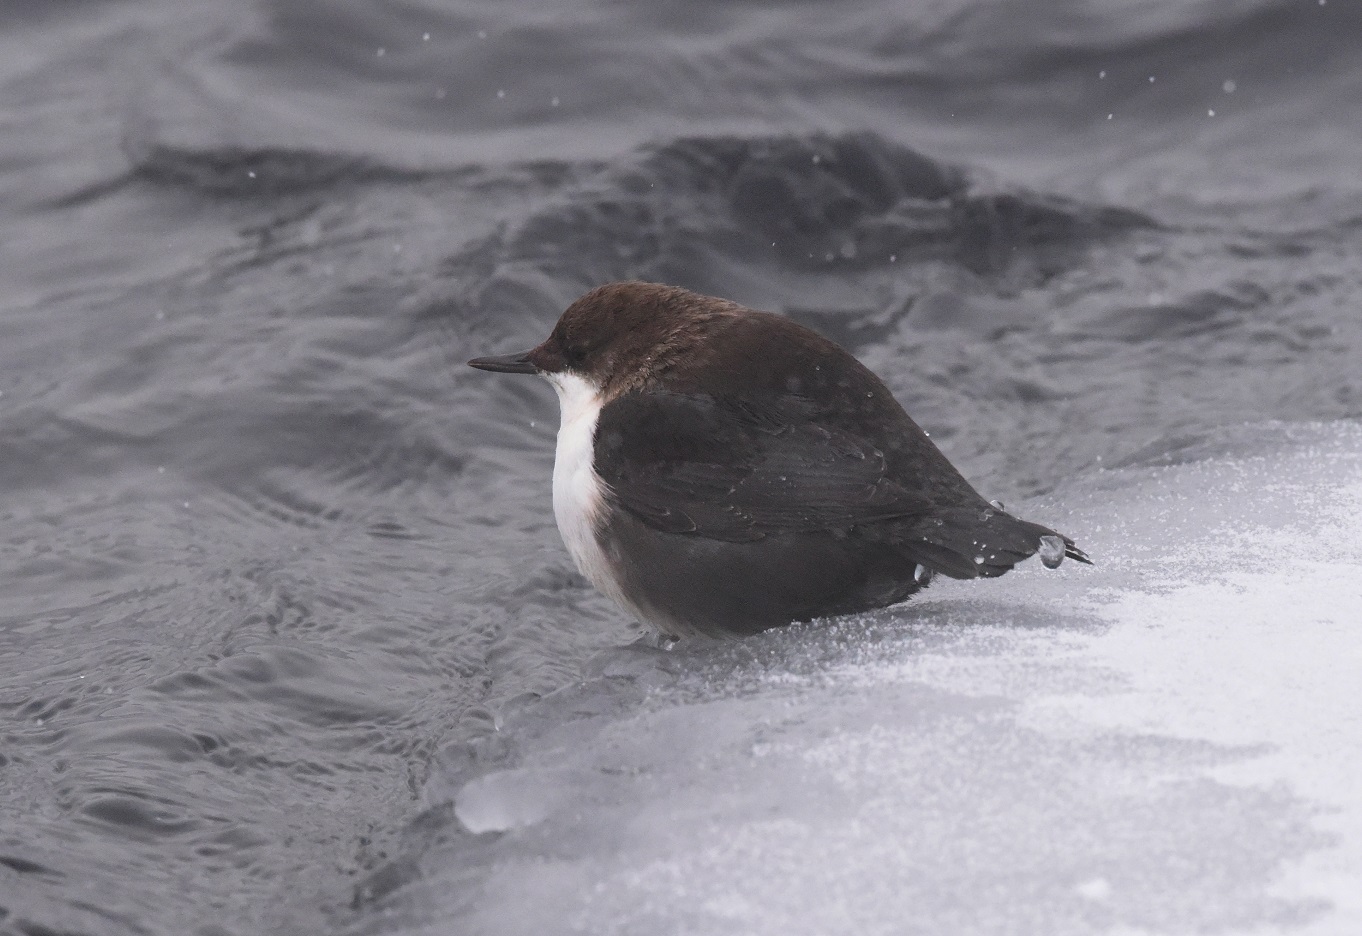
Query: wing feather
[[691, 464]]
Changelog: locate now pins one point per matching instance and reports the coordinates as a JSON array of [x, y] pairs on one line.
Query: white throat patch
[[578, 493]]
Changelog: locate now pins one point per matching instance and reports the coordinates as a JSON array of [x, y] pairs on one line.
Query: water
[[272, 557]]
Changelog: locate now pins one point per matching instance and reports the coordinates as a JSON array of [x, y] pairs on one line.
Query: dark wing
[[693, 464]]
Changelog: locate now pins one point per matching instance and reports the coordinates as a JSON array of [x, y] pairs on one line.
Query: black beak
[[506, 363]]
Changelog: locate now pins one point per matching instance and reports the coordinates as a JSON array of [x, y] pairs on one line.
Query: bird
[[720, 471]]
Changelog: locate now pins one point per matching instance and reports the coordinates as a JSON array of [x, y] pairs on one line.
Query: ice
[[1167, 742], [511, 799]]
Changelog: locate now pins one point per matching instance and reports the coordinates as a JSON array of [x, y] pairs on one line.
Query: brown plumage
[[746, 472]]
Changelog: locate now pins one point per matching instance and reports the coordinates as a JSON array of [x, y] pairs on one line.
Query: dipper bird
[[721, 471]]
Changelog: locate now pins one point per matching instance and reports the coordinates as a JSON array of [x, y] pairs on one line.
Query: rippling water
[[267, 546]]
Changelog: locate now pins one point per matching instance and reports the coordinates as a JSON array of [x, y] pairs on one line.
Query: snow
[[1168, 742]]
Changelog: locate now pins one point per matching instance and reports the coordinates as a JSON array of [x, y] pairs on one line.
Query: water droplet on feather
[[1052, 551]]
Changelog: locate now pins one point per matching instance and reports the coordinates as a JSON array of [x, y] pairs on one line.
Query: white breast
[[578, 493]]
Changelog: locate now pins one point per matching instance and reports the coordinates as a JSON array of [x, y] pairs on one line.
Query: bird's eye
[[572, 355]]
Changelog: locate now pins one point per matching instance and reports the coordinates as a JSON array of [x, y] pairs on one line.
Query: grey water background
[[267, 548]]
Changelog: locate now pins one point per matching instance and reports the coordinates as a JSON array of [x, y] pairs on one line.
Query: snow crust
[[1167, 743]]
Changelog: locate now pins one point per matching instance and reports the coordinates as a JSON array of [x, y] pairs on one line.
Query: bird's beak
[[506, 363]]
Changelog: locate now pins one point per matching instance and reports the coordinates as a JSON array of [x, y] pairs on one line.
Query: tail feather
[[978, 542], [1073, 552]]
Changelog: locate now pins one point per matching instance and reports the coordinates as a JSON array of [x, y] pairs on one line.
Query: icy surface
[[1168, 742]]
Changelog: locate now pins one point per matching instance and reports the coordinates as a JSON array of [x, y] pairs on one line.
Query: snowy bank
[[1169, 742]]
